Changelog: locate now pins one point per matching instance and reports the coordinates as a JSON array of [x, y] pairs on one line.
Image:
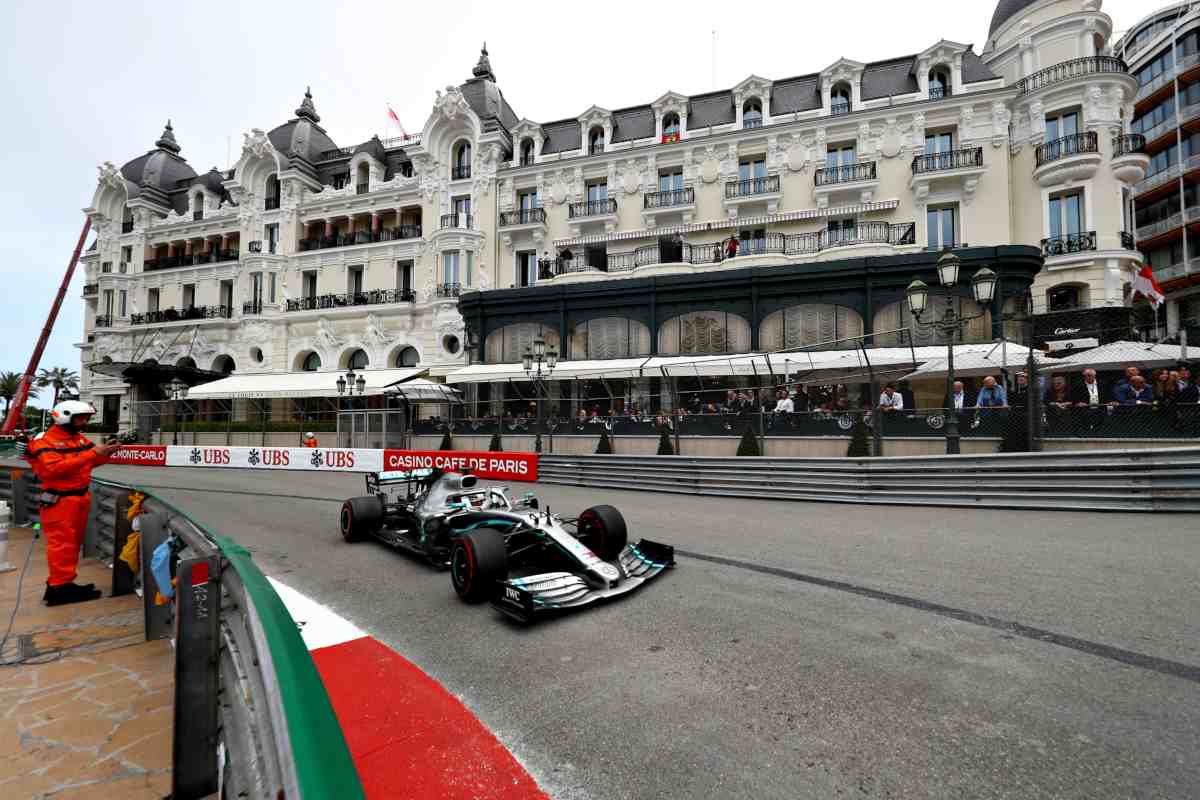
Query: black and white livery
[[524, 559]]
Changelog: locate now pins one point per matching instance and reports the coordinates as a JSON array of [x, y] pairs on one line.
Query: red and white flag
[[395, 120], [1145, 285]]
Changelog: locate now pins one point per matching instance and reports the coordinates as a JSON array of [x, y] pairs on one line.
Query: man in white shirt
[[890, 400], [959, 398], [1088, 395], [784, 404]]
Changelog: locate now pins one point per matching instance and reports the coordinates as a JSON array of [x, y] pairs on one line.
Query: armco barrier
[[1111, 480]]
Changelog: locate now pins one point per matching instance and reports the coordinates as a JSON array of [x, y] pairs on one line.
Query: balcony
[[1067, 70], [194, 260], [91, 289], [448, 290], [839, 109], [671, 198], [104, 321], [967, 158], [181, 315], [939, 92], [127, 226], [750, 124], [528, 161], [752, 187], [460, 173], [375, 297], [525, 216], [1153, 230], [271, 204], [1071, 158], [362, 188], [1127, 241], [252, 309], [1167, 78], [848, 173], [197, 215], [1069, 244], [592, 208], [1129, 159], [1157, 180], [459, 221], [360, 237]]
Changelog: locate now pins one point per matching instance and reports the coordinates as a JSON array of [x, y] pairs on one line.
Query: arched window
[[939, 83], [610, 337], [526, 152], [507, 345], [408, 357], [272, 193], [596, 140], [198, 206], [893, 325], [670, 127], [461, 161], [839, 99], [224, 364], [811, 325], [358, 360], [702, 332], [362, 178], [312, 363], [187, 362], [752, 113]]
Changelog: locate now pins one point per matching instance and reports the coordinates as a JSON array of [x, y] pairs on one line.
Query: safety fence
[[1110, 480], [251, 715]]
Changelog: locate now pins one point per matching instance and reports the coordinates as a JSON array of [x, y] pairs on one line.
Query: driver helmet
[[65, 412], [309, 435]]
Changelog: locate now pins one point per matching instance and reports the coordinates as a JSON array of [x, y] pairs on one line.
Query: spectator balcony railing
[[271, 203], [1128, 144], [963, 158], [1066, 70], [1067, 146], [464, 221], [938, 92], [253, 308], [839, 109], [90, 289], [127, 226], [1069, 243], [460, 173], [846, 173], [524, 216], [374, 297], [361, 237], [104, 321], [670, 198], [448, 289], [362, 188], [592, 208], [181, 315], [750, 187], [196, 259], [1127, 241]]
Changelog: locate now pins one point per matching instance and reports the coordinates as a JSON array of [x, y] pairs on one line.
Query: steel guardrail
[[1166, 479]]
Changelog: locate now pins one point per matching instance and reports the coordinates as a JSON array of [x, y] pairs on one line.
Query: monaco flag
[[1145, 285], [395, 120]]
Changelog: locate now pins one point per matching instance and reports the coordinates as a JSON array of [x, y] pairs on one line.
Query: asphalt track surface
[[798, 650]]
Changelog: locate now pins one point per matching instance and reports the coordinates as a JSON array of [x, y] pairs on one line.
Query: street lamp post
[[347, 385], [983, 286], [179, 391], [539, 363]]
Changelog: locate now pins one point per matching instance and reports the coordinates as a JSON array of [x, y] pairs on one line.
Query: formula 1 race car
[[523, 559]]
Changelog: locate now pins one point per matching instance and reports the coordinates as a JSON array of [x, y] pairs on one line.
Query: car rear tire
[[360, 518], [478, 563], [602, 528]]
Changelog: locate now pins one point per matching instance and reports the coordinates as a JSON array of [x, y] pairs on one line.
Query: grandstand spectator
[[991, 395], [1185, 376], [1189, 392], [958, 398], [1125, 380], [783, 403], [1162, 378], [1020, 393], [1088, 394], [1058, 396], [889, 401], [1135, 393], [800, 399]]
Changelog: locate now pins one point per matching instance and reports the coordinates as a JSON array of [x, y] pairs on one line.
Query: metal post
[[175, 426], [123, 578], [20, 497], [1033, 391], [157, 618], [537, 439], [951, 328], [194, 771]]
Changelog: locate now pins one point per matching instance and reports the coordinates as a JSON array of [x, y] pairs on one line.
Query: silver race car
[[524, 559]]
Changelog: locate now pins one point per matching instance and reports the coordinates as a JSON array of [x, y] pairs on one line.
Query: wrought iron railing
[[127, 226], [749, 187], [839, 109], [1069, 243], [524, 216], [360, 237], [1127, 241], [400, 141], [362, 188], [198, 215], [1075, 68], [752, 123], [592, 208], [670, 198], [196, 259], [528, 161], [181, 314], [252, 308], [846, 173], [1128, 144], [104, 321], [1073, 145], [951, 159], [271, 203], [460, 173], [105, 267], [458, 221], [90, 288], [862, 233], [448, 289], [374, 297], [938, 92], [337, 152]]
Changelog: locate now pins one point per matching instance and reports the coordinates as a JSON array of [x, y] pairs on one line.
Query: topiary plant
[[604, 446], [447, 442], [495, 447], [748, 446], [665, 448], [860, 446]]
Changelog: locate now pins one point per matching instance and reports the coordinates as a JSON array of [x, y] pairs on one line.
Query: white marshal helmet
[[309, 435], [67, 410]]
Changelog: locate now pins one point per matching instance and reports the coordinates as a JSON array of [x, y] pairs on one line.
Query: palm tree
[[9, 383], [60, 378]]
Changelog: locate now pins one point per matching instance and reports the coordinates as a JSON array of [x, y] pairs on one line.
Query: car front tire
[[478, 563], [360, 518], [602, 528]]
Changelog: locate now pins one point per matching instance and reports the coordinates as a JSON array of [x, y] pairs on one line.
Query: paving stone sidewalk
[[89, 712]]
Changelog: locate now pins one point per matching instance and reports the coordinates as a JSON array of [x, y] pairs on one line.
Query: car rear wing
[[377, 480]]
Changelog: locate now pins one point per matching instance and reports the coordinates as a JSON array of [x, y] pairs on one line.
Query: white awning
[[296, 384], [420, 389], [1118, 355], [979, 363]]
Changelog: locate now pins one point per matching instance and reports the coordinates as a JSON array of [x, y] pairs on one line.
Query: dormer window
[[752, 113], [362, 181], [939, 83], [670, 127], [839, 100], [272, 194], [198, 206], [461, 161], [527, 152], [595, 141]]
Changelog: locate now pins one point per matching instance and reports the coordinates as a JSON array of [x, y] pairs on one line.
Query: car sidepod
[[525, 598]]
